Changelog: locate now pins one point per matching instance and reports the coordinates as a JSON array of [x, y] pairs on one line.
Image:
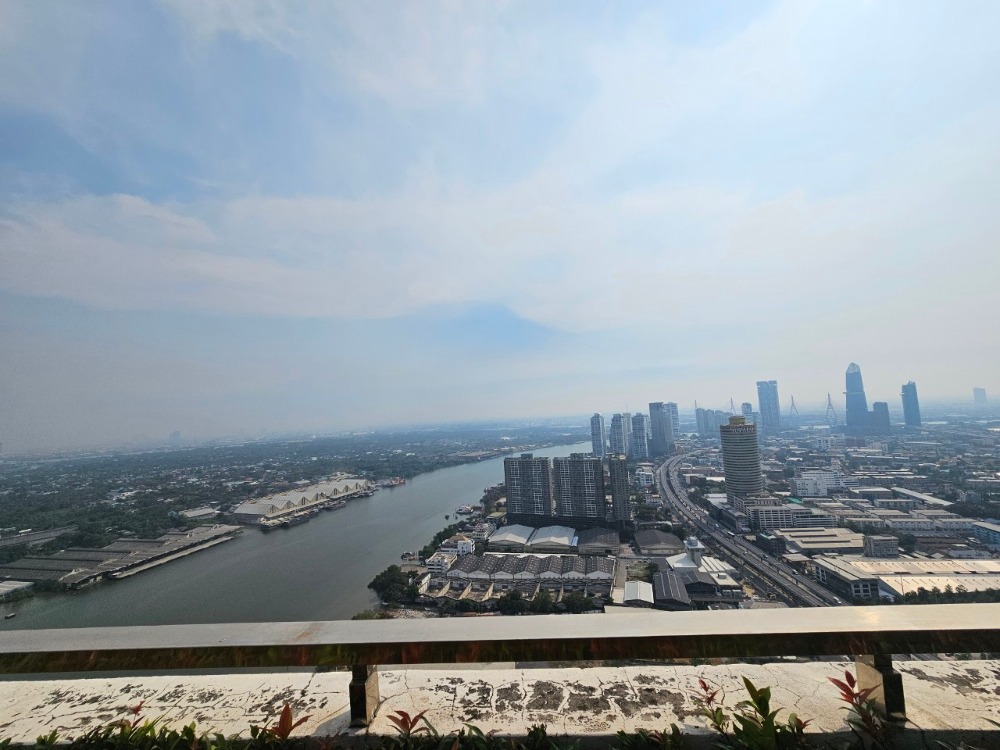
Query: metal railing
[[869, 634]]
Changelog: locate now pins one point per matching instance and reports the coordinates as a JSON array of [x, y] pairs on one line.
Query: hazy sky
[[223, 216]]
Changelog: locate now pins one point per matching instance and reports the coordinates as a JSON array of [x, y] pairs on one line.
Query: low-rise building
[[597, 541], [866, 578], [656, 542], [458, 545], [638, 594], [987, 533], [440, 562], [877, 545], [821, 541]]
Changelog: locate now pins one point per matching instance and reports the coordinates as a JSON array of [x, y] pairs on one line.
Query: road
[[766, 573]]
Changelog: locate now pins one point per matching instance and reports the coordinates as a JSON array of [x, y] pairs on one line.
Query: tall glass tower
[[857, 402], [598, 436], [770, 409], [911, 406]]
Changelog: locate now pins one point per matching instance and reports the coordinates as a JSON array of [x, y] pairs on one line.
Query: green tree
[[394, 587], [543, 603], [512, 603], [576, 602], [907, 542]]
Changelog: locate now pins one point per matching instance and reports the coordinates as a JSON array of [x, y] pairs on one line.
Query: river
[[316, 571]]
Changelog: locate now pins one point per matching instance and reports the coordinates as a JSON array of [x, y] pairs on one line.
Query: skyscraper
[[621, 429], [770, 407], [880, 422], [598, 437], [911, 406], [675, 423], [746, 409], [618, 474], [741, 459], [979, 396], [856, 401], [704, 419], [640, 436], [529, 489], [661, 428], [578, 488]]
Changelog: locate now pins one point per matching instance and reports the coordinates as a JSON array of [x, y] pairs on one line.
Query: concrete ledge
[[594, 703]]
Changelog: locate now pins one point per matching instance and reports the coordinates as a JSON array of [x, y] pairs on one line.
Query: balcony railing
[[871, 635]]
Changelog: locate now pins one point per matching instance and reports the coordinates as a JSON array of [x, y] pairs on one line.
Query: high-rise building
[[856, 401], [618, 478], [770, 407], [529, 489], [704, 420], [675, 422], [979, 396], [661, 429], [741, 459], [746, 409], [911, 405], [621, 431], [598, 436], [578, 487], [640, 436], [880, 422]]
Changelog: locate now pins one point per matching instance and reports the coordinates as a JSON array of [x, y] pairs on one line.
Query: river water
[[316, 571]]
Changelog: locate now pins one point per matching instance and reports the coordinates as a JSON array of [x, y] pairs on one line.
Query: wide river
[[316, 571]]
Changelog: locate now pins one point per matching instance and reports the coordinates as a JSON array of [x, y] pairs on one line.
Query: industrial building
[[865, 578], [300, 499], [558, 540]]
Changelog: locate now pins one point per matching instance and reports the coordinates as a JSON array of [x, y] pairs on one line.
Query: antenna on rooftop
[[831, 413]]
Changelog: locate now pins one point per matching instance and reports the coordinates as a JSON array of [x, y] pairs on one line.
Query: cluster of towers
[[860, 420], [637, 435], [572, 490]]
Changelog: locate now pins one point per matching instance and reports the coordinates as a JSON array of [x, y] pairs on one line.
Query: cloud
[[643, 194]]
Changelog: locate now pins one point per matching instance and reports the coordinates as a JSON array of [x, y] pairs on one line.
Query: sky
[[244, 217]]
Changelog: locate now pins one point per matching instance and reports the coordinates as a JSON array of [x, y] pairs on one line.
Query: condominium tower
[[578, 487], [598, 436], [769, 406], [911, 405], [741, 459], [529, 488], [640, 436], [618, 474], [661, 428], [621, 431], [880, 422]]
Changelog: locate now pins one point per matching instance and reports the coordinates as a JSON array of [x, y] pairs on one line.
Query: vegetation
[[446, 532], [393, 586], [142, 493], [948, 596]]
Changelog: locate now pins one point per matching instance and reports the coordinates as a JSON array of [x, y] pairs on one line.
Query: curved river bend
[[317, 571]]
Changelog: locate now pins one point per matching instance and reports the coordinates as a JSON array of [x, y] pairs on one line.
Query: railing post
[[875, 671], [363, 693]]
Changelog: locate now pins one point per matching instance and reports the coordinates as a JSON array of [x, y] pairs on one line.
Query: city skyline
[[216, 220]]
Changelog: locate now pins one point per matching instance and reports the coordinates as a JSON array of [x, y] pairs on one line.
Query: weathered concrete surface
[[596, 701]]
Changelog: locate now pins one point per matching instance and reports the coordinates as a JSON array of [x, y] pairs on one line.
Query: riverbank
[[314, 571]]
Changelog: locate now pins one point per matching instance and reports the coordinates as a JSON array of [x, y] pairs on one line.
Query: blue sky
[[254, 216]]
